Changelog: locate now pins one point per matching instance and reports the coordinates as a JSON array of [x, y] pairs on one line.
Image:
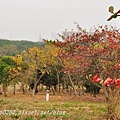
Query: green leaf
[[111, 9]]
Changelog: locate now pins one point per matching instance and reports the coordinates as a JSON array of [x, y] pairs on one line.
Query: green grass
[[24, 107]]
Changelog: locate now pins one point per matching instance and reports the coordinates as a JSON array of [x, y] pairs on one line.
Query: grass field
[[26, 107]]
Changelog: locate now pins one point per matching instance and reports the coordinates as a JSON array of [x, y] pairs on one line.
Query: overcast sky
[[30, 19]]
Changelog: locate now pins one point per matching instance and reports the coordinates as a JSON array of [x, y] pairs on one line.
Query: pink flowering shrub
[[108, 82], [112, 89], [96, 78], [117, 82]]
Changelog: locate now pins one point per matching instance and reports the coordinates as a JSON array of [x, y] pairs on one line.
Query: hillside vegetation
[[8, 47]]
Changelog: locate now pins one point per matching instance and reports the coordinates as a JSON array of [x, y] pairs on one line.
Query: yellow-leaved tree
[[40, 60]]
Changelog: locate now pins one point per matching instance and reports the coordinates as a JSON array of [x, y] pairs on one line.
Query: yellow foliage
[[42, 71], [10, 69], [19, 68], [17, 59], [98, 46], [42, 58], [13, 69]]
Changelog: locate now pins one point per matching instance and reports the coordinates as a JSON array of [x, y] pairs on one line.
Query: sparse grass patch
[[38, 109], [29, 118], [1, 100]]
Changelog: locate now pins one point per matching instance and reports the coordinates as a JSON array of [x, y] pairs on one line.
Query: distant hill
[[8, 47]]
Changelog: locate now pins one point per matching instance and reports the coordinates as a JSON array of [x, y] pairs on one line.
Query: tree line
[[8, 47]]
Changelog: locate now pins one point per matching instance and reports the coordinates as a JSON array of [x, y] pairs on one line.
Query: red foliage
[[97, 51], [109, 81], [96, 79], [117, 82]]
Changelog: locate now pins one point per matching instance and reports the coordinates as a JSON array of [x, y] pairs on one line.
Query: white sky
[[29, 19]]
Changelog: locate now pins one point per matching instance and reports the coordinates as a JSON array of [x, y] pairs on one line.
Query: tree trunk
[[5, 88], [75, 92], [33, 92], [113, 104], [81, 90], [23, 89], [14, 89], [105, 92], [58, 78], [53, 90], [34, 88], [36, 82], [70, 90], [0, 89]]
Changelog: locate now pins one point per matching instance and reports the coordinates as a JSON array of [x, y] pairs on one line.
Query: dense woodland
[[8, 47]]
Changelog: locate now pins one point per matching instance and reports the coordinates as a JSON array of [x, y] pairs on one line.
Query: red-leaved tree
[[94, 54]]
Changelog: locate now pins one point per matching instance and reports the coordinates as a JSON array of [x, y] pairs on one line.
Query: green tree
[[9, 70]]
